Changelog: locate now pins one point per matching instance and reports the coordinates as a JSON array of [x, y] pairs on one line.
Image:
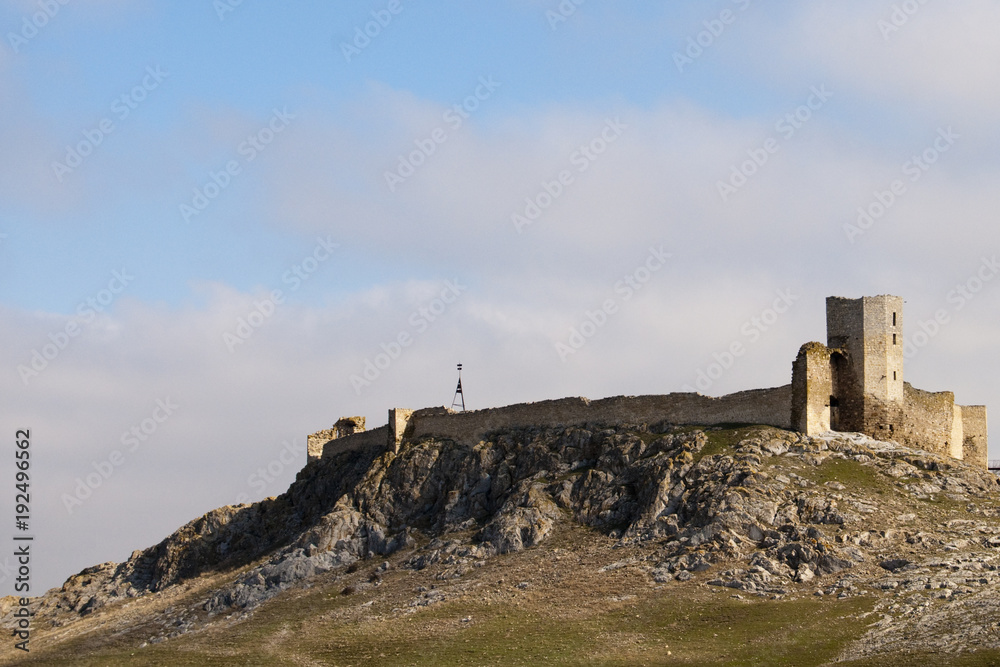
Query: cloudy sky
[[225, 224]]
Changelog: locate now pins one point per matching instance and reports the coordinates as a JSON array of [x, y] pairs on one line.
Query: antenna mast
[[459, 399]]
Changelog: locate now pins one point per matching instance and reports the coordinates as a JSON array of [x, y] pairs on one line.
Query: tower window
[[894, 319], [893, 339], [894, 375]]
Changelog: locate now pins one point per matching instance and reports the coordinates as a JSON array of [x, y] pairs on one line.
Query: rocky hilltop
[[871, 550]]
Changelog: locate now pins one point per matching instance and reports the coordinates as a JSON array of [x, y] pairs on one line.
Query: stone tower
[[865, 339]]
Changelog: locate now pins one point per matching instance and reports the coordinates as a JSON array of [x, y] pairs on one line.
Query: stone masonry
[[853, 383]]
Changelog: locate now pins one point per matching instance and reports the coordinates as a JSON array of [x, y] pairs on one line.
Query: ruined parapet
[[812, 389], [756, 406], [315, 442], [345, 426], [374, 439], [928, 422], [348, 426], [974, 434]]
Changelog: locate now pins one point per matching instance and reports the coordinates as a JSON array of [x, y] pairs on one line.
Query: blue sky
[[647, 144]]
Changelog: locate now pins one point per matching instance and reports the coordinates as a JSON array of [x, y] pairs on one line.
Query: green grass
[[850, 473], [723, 438], [718, 630]]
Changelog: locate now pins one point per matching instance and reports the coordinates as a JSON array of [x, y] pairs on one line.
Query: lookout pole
[[459, 399]]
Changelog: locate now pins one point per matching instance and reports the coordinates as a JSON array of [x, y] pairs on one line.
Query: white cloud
[[940, 64]]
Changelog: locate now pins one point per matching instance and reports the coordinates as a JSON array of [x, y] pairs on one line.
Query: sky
[[225, 224]]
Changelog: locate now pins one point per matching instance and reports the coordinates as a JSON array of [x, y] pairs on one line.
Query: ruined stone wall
[[758, 406], [955, 442], [974, 434], [400, 426], [927, 420], [345, 426], [812, 386], [315, 442], [845, 332], [377, 437], [348, 426], [886, 421], [847, 409]]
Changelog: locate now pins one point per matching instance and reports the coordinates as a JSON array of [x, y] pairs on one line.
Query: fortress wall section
[[400, 426], [759, 406], [315, 442], [887, 420], [812, 388], [955, 442], [845, 331], [927, 420], [377, 437], [974, 434]]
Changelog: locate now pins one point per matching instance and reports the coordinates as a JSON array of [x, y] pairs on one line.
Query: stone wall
[[345, 426], [957, 439], [400, 426], [315, 442], [812, 387], [974, 434], [927, 420], [758, 406], [348, 426], [377, 437]]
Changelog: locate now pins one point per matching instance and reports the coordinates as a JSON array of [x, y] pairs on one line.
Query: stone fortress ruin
[[854, 383]]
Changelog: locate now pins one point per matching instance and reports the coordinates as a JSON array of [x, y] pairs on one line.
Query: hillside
[[600, 544]]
